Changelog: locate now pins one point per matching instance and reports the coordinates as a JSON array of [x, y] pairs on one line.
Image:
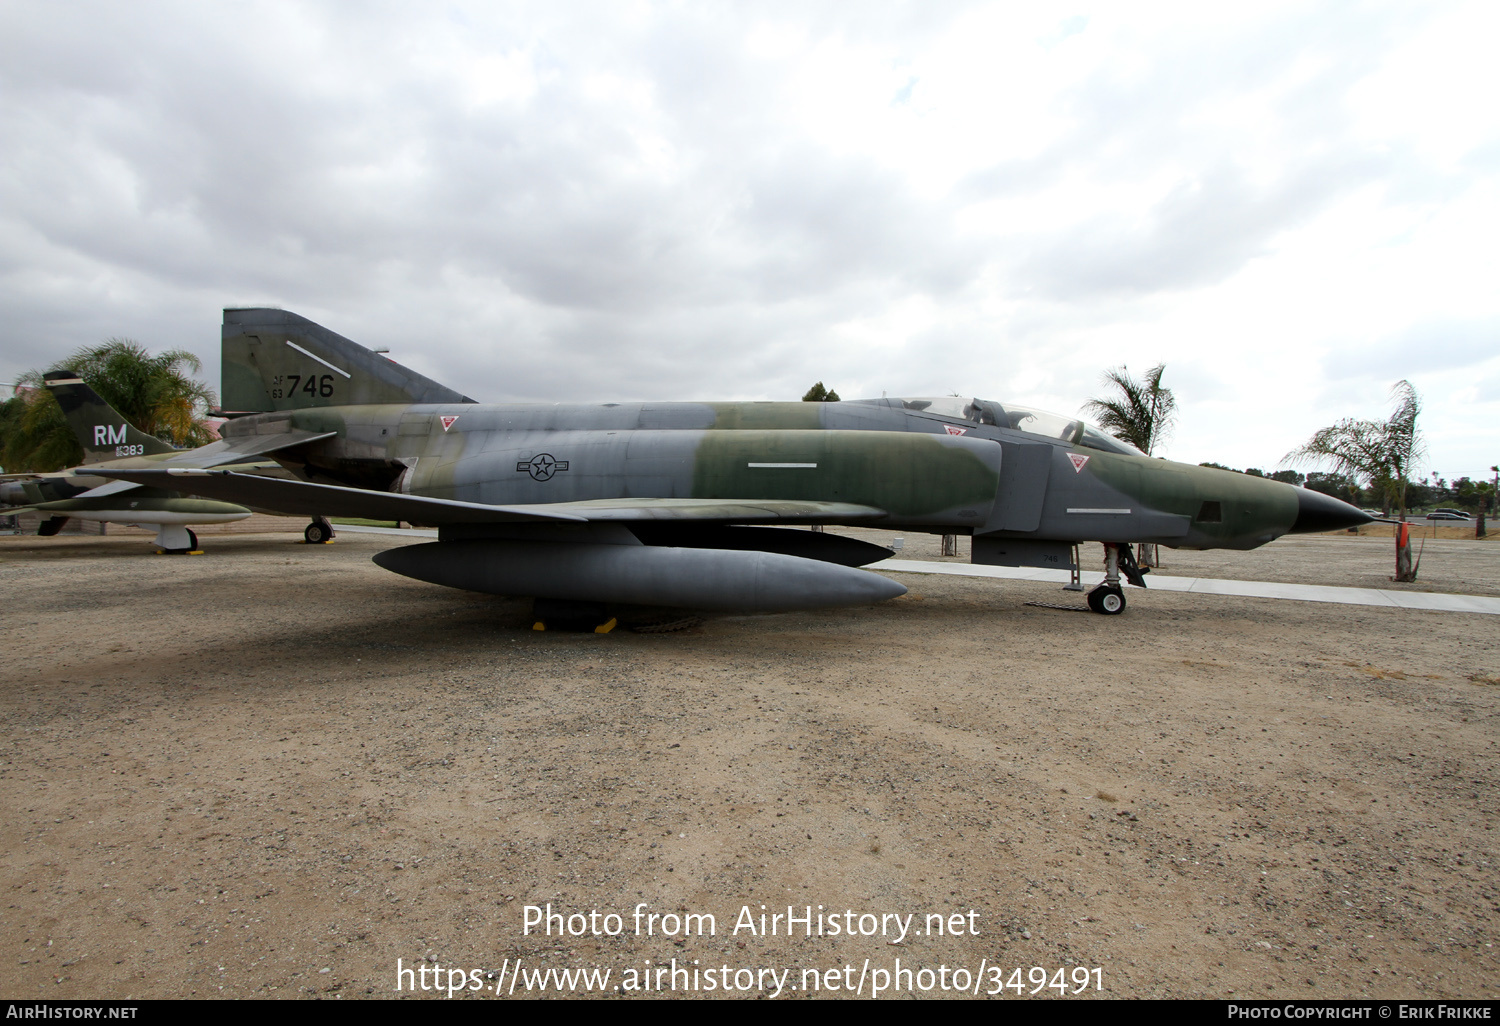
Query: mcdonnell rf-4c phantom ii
[[686, 505]]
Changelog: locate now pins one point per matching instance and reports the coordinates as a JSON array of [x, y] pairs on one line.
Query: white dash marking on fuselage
[[1098, 511], [783, 466]]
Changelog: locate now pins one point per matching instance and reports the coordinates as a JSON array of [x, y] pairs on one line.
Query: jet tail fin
[[99, 428], [277, 360]]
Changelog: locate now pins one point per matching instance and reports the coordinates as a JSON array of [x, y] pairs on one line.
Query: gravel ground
[[275, 770]]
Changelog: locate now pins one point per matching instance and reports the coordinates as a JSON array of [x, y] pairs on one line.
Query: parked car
[[1446, 516], [1455, 512]]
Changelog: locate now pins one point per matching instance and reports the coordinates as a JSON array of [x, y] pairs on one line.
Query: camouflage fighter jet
[[111, 442], [686, 505]]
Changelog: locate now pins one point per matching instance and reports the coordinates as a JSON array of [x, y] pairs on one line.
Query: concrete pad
[[411, 532], [1159, 582], [1207, 586]]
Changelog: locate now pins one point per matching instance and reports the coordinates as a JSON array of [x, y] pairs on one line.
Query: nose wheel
[[1107, 600]]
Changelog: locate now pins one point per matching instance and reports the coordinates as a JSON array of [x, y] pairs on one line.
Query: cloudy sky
[[1292, 206]]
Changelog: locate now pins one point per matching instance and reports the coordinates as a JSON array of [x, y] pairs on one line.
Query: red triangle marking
[[447, 422], [1078, 462]]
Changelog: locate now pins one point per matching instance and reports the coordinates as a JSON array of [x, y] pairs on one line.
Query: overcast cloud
[[1292, 206]]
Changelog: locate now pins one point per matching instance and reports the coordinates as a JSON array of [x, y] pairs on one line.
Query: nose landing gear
[[1109, 598]]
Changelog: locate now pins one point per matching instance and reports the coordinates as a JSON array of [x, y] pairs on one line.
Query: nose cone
[[1318, 512]]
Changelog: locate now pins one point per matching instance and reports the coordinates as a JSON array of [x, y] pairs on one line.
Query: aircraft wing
[[309, 499]]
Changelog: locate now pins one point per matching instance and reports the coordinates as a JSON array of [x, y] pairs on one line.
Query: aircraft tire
[[1108, 601], [317, 532], [192, 541]]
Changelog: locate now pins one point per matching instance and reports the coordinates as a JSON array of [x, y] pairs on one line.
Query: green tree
[[819, 394], [34, 437], [1340, 486], [11, 411], [1384, 453], [1140, 412], [155, 393]]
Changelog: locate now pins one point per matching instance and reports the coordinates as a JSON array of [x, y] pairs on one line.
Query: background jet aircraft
[[108, 439], [110, 442], [673, 504]]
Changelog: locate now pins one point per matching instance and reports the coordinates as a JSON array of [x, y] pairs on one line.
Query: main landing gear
[[319, 532], [1109, 598]]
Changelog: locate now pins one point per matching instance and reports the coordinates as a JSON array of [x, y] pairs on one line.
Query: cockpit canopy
[[1018, 418]]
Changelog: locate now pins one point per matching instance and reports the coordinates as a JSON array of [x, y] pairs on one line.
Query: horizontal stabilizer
[[243, 448]]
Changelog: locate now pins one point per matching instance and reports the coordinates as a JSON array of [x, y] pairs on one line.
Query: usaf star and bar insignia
[[542, 466]]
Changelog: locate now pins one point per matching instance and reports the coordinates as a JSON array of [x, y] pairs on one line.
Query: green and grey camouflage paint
[[362, 433]]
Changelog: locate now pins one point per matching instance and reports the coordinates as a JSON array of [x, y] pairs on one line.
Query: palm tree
[[34, 437], [1381, 452], [155, 393], [1140, 412], [1384, 453]]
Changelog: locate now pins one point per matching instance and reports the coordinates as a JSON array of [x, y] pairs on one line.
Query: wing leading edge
[[309, 499]]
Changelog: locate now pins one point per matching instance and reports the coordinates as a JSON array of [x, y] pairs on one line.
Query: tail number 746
[[284, 386]]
